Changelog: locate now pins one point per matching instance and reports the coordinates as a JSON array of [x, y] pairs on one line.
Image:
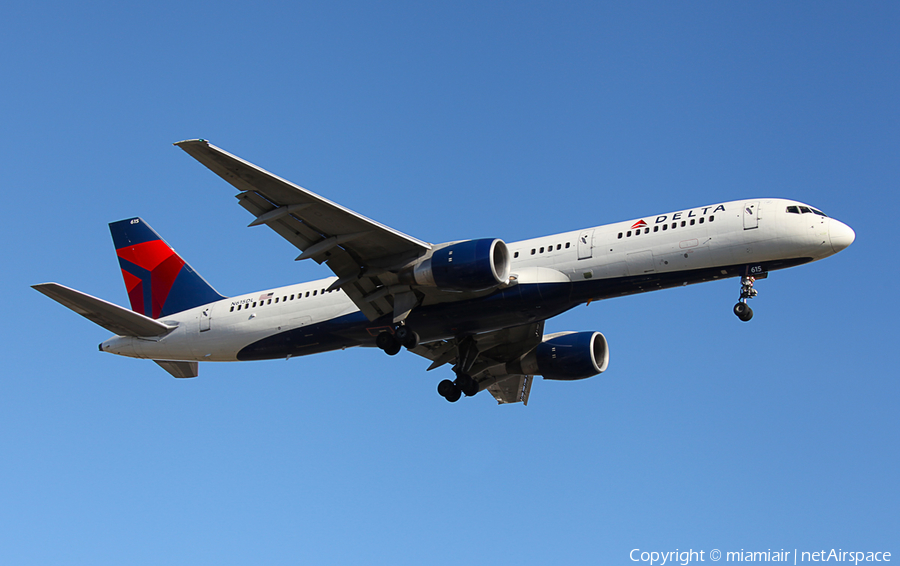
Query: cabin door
[[585, 244], [205, 316], [751, 215]]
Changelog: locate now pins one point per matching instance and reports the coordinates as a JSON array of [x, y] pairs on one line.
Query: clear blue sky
[[450, 121]]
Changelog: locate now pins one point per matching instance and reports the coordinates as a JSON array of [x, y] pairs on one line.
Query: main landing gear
[[467, 352], [453, 390], [742, 310], [401, 337]]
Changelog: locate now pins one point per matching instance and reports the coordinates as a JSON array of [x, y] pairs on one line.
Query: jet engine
[[472, 265], [565, 356]]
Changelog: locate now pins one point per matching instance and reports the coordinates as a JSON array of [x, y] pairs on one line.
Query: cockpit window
[[805, 210]]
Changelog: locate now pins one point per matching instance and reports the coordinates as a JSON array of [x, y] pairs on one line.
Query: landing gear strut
[[742, 310]]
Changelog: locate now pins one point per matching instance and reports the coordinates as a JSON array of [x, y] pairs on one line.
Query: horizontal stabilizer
[[180, 369], [114, 318]]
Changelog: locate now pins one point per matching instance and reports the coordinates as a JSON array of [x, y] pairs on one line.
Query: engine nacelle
[[472, 265], [567, 356]]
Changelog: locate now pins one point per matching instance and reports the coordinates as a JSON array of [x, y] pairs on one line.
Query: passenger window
[[314, 293], [516, 254], [567, 243], [254, 304], [307, 293], [532, 251], [656, 228], [711, 218], [270, 302], [232, 308], [692, 221], [620, 237], [292, 297], [542, 249], [558, 246], [647, 230], [674, 225], [701, 220], [628, 234], [239, 307], [276, 300], [665, 227], [683, 223]]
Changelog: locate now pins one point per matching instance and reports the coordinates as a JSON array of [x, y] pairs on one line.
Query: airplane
[[479, 305]]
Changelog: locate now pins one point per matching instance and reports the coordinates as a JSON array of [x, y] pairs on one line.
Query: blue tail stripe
[[189, 291]]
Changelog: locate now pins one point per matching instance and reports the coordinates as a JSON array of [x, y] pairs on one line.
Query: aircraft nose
[[841, 235]]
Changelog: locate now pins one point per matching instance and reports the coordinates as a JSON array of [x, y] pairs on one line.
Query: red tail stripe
[[162, 278], [147, 255]]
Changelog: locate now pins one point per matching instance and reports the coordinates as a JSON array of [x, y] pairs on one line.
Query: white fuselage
[[728, 234]]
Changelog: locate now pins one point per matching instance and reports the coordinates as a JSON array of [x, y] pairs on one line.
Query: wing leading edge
[[363, 253]]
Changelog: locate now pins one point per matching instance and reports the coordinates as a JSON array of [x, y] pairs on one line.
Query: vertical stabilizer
[[158, 281]]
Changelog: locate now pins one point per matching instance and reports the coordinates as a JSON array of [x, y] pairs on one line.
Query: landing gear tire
[[743, 311], [449, 391], [466, 384], [386, 341], [407, 337]]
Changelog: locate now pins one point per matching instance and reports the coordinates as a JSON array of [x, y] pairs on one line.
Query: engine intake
[[472, 265], [567, 356]]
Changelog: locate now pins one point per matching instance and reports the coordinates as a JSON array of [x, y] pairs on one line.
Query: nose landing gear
[[742, 310]]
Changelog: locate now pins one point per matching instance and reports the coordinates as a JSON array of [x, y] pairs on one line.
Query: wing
[[495, 350], [364, 254]]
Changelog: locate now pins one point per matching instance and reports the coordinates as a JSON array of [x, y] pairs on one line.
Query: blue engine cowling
[[568, 356], [472, 265]]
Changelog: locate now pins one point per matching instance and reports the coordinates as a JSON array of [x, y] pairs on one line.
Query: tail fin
[[158, 281]]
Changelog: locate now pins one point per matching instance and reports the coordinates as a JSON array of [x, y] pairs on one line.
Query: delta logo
[[638, 224]]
